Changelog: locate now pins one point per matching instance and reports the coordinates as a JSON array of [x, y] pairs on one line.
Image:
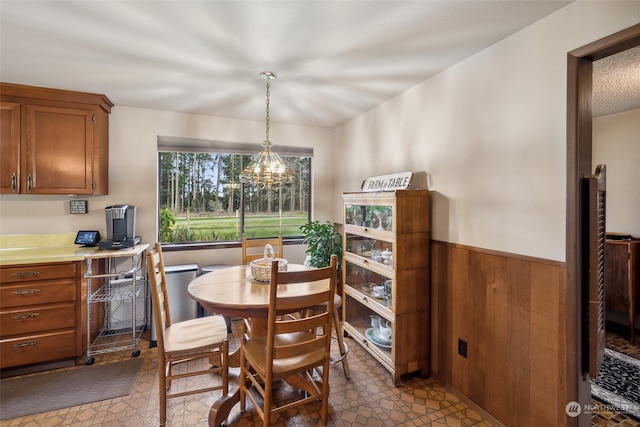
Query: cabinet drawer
[[35, 293], [36, 319], [37, 348], [37, 272]]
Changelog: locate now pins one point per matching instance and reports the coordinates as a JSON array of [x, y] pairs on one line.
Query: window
[[202, 200]]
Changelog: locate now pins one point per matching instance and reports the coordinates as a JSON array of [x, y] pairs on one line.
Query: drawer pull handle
[[26, 316], [25, 344], [26, 291], [26, 274]]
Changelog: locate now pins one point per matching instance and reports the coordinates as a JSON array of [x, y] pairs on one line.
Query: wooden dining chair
[[185, 341], [254, 248], [293, 347]]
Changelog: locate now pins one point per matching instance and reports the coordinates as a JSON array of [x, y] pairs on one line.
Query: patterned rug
[[618, 384], [59, 389]]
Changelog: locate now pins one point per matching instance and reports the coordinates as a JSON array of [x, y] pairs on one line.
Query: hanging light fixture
[[267, 170]]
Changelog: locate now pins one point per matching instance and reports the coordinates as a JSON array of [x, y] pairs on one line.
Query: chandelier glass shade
[[267, 170]]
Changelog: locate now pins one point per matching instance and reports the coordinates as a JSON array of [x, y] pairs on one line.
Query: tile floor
[[369, 399]]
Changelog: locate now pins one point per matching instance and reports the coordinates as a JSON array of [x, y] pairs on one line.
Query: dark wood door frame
[[579, 164]]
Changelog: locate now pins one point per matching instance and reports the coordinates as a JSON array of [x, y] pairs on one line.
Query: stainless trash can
[[181, 305]]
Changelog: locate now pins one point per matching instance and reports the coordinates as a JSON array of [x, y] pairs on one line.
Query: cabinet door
[[59, 151], [617, 277], [9, 147]]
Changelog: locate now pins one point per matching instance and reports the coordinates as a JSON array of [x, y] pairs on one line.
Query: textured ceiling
[[616, 83], [335, 59]]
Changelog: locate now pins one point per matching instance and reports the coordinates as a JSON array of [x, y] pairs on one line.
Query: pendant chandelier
[[267, 170]]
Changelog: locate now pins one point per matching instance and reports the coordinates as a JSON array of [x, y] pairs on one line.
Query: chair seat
[[190, 335], [256, 349], [337, 301]]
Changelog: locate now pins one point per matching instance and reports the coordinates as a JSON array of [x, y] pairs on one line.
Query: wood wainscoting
[[510, 310]]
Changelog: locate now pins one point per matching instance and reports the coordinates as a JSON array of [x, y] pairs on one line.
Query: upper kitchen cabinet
[[53, 141]]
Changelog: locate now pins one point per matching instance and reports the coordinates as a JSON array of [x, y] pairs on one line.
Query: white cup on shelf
[[384, 330], [375, 321], [377, 291]]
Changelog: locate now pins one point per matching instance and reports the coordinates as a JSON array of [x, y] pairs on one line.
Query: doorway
[[579, 165]]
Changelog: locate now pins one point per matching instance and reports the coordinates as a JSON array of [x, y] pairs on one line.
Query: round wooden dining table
[[232, 291]]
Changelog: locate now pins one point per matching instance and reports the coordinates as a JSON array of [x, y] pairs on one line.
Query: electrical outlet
[[462, 347]]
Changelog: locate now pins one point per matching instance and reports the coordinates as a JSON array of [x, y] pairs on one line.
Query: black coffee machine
[[121, 227]]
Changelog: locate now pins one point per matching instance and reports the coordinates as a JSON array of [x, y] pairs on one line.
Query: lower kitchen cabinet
[[40, 313]]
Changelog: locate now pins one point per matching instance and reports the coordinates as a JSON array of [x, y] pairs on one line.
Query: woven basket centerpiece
[[261, 268]]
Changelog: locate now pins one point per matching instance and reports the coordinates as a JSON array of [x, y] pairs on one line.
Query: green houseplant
[[322, 241]]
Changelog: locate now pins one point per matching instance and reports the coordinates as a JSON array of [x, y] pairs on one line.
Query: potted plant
[[323, 240]]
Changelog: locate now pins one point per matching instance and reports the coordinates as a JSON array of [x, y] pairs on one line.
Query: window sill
[[176, 247]]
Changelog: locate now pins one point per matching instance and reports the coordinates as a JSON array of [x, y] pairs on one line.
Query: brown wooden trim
[[179, 247], [610, 45], [527, 258], [579, 85], [579, 164], [41, 93]]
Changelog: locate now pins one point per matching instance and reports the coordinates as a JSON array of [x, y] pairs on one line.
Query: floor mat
[[618, 384], [33, 394]]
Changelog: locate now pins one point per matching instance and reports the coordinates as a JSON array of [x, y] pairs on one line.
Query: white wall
[[133, 177], [616, 143], [491, 134]]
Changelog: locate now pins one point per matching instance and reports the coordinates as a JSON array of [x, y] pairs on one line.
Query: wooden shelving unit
[[386, 246]]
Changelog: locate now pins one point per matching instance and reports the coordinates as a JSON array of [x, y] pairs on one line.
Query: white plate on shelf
[[373, 337]]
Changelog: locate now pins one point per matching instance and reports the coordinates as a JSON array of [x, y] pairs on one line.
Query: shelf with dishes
[[386, 277], [364, 325], [373, 217], [370, 287], [370, 250]]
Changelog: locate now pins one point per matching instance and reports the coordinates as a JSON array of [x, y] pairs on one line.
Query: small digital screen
[[87, 238]]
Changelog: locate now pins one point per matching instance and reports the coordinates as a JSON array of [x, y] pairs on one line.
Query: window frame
[[197, 145]]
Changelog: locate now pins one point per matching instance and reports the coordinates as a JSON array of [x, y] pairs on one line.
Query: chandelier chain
[[268, 110], [267, 170]]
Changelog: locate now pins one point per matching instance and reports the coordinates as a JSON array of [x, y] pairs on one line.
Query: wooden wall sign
[[390, 182]]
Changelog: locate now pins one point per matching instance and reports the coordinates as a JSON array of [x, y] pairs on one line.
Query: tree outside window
[[202, 200]]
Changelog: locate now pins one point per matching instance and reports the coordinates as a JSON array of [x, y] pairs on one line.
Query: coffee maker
[[121, 227]]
